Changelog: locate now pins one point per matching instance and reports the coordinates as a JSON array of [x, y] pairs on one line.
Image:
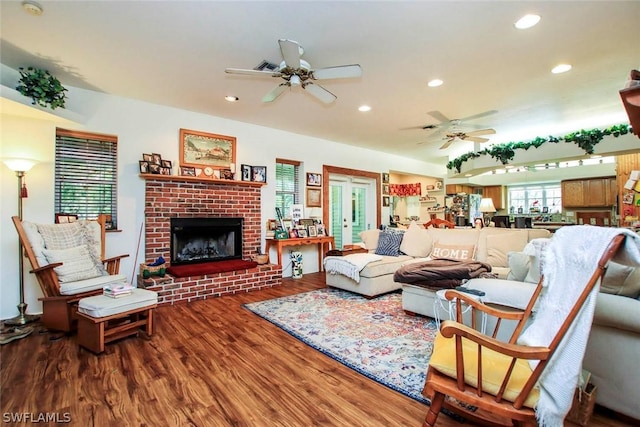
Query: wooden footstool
[[102, 319]]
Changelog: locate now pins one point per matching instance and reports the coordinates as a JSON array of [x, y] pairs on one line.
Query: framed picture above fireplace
[[201, 149]]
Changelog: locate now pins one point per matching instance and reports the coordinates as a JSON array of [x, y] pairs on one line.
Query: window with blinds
[[86, 166], [287, 187]]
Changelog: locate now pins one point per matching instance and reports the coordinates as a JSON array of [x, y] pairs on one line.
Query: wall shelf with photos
[[183, 178]]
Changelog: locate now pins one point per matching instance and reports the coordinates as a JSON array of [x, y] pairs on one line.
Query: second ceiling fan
[[473, 135]]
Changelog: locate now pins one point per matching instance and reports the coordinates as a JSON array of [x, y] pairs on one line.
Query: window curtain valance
[[404, 190]]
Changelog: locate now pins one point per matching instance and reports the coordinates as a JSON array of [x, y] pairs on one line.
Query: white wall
[[147, 128]]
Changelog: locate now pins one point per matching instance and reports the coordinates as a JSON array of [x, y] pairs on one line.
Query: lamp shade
[[19, 165], [486, 205]]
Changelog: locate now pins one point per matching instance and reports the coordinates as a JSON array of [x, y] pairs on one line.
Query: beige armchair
[[69, 264]]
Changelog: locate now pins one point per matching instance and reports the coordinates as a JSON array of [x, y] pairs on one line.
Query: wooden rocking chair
[[495, 377], [60, 297], [439, 223]]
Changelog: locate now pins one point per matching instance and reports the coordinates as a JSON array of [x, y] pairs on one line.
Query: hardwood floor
[[210, 363]]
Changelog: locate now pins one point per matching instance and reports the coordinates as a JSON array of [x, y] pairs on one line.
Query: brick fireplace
[[169, 197]]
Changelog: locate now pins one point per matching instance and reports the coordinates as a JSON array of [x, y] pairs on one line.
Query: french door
[[352, 207]]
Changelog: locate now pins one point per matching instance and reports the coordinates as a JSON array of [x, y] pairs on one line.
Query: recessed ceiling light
[[561, 68], [527, 21], [231, 98], [364, 108], [435, 83]]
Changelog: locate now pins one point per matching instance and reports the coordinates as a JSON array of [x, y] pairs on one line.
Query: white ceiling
[[174, 53]]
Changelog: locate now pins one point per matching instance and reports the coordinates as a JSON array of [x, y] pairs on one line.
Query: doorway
[[353, 203]]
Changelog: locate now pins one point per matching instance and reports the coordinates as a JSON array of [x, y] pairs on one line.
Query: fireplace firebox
[[197, 240]]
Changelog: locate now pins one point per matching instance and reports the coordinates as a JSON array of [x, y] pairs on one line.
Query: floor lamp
[[20, 167], [487, 207]]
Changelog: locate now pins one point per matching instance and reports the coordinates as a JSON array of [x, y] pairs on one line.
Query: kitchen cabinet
[[496, 193], [459, 188], [592, 192]]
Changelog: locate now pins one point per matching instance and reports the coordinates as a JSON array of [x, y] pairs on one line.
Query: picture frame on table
[[245, 172], [64, 218], [144, 166], [302, 232], [314, 179], [202, 149], [156, 159], [321, 231], [259, 173], [313, 231], [314, 197], [166, 164], [306, 222], [227, 174], [165, 171], [187, 171], [545, 209], [147, 157]]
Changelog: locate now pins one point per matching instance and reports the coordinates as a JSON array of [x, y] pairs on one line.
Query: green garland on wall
[[585, 139]]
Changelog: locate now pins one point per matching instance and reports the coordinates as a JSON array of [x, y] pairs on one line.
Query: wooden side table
[[321, 241], [347, 250]]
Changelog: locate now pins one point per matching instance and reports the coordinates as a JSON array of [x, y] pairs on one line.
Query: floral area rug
[[372, 336]]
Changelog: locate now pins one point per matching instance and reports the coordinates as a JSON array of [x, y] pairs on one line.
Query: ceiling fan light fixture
[[32, 8], [435, 83], [561, 68], [231, 98], [364, 108], [295, 80], [527, 21]]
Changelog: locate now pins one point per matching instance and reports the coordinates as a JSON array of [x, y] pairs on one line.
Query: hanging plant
[[43, 88], [585, 139]]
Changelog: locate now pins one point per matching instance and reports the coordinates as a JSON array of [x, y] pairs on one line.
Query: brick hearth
[[185, 197]]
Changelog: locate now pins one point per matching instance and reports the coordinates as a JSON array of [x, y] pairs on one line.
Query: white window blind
[[287, 187], [86, 174]]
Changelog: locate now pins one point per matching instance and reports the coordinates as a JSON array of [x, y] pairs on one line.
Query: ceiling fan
[[467, 136], [298, 72]]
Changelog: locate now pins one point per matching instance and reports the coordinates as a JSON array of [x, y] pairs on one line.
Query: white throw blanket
[[571, 258], [349, 265]]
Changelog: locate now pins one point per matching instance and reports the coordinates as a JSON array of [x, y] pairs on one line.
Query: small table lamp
[[486, 207]]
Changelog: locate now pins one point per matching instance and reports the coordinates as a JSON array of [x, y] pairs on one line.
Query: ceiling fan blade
[[276, 92], [477, 116], [476, 139], [439, 117], [319, 92], [481, 132], [340, 72], [252, 72], [447, 144], [291, 52]]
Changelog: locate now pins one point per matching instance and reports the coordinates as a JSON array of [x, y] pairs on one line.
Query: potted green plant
[[43, 88]]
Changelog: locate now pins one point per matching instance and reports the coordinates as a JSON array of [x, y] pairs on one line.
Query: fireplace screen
[[195, 240]]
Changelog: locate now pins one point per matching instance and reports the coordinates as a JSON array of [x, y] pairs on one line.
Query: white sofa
[[490, 245]]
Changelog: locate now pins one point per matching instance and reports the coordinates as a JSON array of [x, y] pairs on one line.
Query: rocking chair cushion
[[495, 365], [77, 263], [73, 288]]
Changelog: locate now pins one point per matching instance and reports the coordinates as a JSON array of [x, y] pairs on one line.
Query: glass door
[[352, 207]]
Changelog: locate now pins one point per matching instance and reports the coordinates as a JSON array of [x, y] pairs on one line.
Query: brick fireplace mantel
[[168, 196]]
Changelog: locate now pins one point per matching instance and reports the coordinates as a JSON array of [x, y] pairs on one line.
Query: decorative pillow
[[536, 249], [77, 263], [370, 238], [416, 242], [499, 245], [389, 243], [459, 252], [62, 236], [519, 264], [621, 280]]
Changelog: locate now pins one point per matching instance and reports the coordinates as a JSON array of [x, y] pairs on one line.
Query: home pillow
[[459, 252], [621, 280], [519, 264], [370, 238], [416, 242], [536, 249], [77, 263], [389, 243], [61, 236], [499, 245]]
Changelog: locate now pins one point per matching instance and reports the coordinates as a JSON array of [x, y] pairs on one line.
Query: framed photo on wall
[[385, 178], [314, 197], [314, 179], [385, 200], [201, 149]]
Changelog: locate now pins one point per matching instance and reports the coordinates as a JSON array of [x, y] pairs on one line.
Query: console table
[[303, 241]]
